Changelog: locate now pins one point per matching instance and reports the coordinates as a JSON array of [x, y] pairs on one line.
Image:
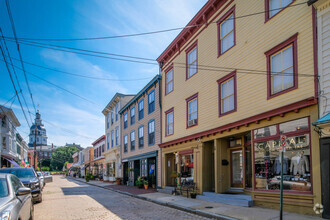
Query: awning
[[12, 162], [324, 120]]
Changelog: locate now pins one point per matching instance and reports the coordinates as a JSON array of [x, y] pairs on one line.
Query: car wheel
[[40, 198], [31, 212]]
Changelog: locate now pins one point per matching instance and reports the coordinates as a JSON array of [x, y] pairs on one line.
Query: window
[[117, 136], [151, 132], [226, 28], [144, 167], [125, 144], [111, 139], [272, 7], [169, 81], [125, 120], [141, 109], [133, 140], [227, 94], [282, 68], [3, 121], [108, 140], [132, 112], [4, 144], [107, 120], [111, 117], [169, 122], [192, 110], [141, 137], [191, 60], [116, 109], [151, 102], [103, 148], [296, 161]]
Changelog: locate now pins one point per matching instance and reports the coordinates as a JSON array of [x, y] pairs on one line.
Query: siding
[[253, 38]]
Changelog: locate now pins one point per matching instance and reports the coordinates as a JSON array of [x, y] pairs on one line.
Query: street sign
[[282, 143]]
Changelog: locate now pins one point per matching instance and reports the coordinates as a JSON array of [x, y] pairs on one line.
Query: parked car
[[29, 178], [48, 177], [15, 199], [42, 179]]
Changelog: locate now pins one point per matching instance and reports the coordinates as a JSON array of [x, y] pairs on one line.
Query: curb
[[168, 204]]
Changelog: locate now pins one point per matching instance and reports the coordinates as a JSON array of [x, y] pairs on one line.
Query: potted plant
[[153, 182], [139, 182], [118, 180], [145, 183], [193, 195]]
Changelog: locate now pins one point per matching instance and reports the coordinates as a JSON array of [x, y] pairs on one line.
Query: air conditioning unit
[[192, 122]]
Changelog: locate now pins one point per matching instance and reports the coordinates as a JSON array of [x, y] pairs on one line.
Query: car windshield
[[3, 187], [20, 173]]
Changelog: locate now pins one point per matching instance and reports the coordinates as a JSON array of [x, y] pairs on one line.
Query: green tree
[[45, 162], [62, 155]]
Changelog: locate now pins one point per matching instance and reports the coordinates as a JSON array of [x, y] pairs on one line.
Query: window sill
[[221, 54], [226, 113], [270, 96]]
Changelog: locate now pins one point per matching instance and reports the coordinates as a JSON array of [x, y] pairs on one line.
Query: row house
[[8, 144], [87, 155], [232, 85], [322, 15], [22, 149], [113, 135], [97, 164], [141, 135]]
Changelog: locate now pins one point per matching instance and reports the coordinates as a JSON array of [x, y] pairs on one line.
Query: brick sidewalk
[[131, 189]]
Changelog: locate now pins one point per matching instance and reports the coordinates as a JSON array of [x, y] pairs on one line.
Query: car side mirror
[[23, 191]]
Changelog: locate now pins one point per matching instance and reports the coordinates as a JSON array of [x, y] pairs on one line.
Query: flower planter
[[106, 178], [193, 195], [145, 186]]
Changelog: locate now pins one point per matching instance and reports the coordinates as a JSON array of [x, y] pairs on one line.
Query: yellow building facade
[[234, 81]]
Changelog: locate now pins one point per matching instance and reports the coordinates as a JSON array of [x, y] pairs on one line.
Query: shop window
[[132, 140], [169, 81], [265, 132], [144, 169], [141, 109], [191, 60], [292, 126], [235, 142], [296, 163], [141, 137], [112, 169], [192, 110], [125, 144], [151, 132], [226, 29], [169, 122], [187, 167], [125, 120], [132, 112], [151, 102]]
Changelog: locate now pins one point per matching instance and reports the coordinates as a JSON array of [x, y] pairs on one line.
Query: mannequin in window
[[277, 165], [299, 164]]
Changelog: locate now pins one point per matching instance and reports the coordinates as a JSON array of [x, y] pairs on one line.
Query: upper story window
[[169, 81], [111, 117], [151, 132], [227, 94], [116, 109], [192, 110], [141, 109], [132, 112], [272, 7], [117, 136], [191, 59], [125, 143], [108, 140], [151, 101], [169, 122], [125, 120], [111, 139], [282, 68], [226, 28], [141, 136], [108, 121], [133, 140]]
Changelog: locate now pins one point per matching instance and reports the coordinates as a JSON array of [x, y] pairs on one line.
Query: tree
[[61, 155], [45, 162]]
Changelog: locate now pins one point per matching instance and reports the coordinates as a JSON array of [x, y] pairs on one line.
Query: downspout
[[160, 115]]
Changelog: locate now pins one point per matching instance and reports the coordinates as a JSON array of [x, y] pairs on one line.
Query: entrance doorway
[[208, 167], [170, 168], [236, 168]]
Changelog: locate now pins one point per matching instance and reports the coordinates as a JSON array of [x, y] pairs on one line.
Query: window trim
[[130, 140], [125, 114], [130, 114], [142, 100], [165, 81], [152, 91], [222, 19], [152, 120], [112, 139], [189, 99], [290, 41], [117, 137], [188, 50], [220, 81], [267, 8], [126, 143], [166, 113], [141, 126]]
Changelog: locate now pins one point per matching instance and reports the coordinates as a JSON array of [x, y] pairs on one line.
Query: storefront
[[144, 165], [113, 165]]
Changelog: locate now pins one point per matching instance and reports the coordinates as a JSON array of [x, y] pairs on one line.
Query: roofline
[[104, 111], [11, 112], [137, 96], [98, 140]]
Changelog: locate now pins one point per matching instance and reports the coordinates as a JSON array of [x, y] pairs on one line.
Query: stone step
[[167, 190], [230, 199]]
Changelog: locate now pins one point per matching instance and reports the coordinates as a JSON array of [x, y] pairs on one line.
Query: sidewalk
[[199, 207]]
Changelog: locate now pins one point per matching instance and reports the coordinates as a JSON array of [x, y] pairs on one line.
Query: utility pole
[[35, 146]]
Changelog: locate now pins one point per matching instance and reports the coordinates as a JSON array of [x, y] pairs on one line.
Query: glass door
[[237, 168]]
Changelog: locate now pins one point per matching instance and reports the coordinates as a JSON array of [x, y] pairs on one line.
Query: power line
[[12, 81], [19, 52], [9, 100], [152, 32], [19, 86]]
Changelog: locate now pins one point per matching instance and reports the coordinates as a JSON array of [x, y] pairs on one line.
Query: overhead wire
[[153, 32], [18, 49]]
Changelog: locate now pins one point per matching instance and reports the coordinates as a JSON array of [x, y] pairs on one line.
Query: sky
[[78, 118]]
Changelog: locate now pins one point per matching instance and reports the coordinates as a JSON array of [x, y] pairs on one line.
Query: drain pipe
[[160, 115]]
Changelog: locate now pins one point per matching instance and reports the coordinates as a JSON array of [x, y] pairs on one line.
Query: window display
[[187, 166], [296, 162]]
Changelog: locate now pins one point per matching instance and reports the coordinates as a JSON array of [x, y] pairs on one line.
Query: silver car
[[42, 179], [15, 199]]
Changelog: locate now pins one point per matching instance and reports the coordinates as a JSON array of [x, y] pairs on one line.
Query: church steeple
[[40, 130]]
